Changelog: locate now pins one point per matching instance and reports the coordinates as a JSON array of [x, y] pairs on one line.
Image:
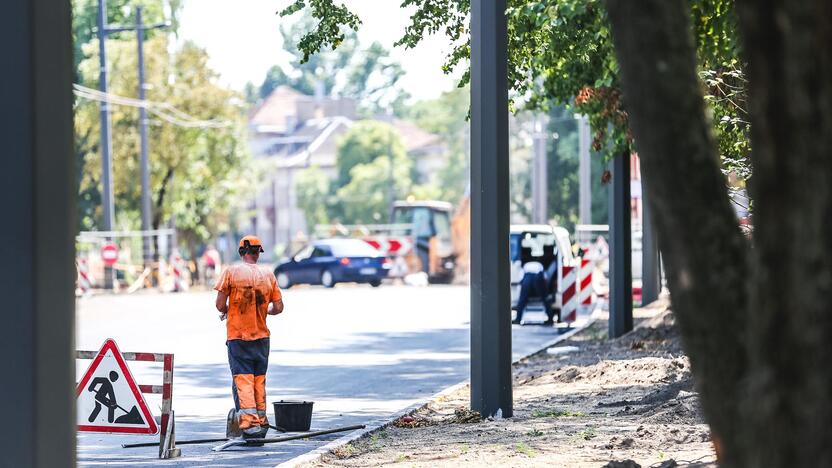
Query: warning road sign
[[108, 398]]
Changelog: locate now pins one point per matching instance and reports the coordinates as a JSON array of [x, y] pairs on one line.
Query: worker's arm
[[276, 307], [222, 302]]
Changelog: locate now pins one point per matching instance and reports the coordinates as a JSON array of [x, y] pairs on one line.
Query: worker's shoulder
[[266, 270], [246, 269]]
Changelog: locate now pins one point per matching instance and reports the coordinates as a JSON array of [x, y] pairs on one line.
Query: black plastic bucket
[[293, 416]]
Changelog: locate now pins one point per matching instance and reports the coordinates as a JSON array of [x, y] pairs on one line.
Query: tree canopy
[[194, 171], [561, 54], [366, 74]]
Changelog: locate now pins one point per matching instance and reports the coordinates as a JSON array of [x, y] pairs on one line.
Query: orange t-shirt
[[250, 289]]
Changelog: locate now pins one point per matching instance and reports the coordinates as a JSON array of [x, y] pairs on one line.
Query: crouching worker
[[246, 293]]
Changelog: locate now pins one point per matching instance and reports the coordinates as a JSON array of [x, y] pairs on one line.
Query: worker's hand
[[273, 310], [223, 316]]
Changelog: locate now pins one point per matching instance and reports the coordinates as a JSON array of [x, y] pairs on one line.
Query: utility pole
[[540, 189], [140, 28], [106, 144], [391, 181], [584, 171]]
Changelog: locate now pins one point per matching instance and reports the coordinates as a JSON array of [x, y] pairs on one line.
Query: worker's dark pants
[[534, 285], [249, 361], [111, 412]]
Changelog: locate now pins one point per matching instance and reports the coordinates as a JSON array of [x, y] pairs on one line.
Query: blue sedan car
[[331, 261]]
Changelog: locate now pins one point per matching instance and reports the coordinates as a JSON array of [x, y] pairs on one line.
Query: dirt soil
[[586, 402]]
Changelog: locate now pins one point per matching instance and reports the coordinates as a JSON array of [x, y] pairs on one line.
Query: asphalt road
[[359, 353]]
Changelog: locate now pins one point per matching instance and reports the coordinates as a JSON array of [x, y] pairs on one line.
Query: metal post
[[39, 192], [144, 161], [584, 171], [106, 144], [491, 393], [621, 275], [391, 182], [540, 189], [650, 276]]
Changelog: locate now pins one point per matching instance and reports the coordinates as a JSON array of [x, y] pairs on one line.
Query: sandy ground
[[588, 401]]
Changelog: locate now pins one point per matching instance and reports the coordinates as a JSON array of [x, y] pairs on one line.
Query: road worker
[[246, 293]]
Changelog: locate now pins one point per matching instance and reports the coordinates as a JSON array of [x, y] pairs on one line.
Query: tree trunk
[[704, 250], [788, 46], [157, 222]]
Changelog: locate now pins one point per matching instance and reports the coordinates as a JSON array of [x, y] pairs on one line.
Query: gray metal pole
[[147, 251], [539, 174], [491, 393], [106, 144], [39, 192], [584, 171], [650, 275], [621, 275]]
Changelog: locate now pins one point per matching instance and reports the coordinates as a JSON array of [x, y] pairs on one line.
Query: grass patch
[[375, 441], [402, 458], [345, 451], [464, 448], [557, 413], [534, 433], [588, 434], [524, 448]]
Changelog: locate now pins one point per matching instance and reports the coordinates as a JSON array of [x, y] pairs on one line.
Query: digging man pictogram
[[106, 396]]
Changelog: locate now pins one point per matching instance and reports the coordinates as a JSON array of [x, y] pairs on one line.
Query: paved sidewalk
[[586, 403]]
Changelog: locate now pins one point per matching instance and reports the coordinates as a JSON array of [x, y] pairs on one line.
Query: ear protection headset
[[248, 248]]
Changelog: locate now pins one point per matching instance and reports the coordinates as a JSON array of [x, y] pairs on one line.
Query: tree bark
[[157, 221], [788, 46], [704, 250]]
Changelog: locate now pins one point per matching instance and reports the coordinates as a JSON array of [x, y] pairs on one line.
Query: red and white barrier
[[177, 266], [569, 296], [390, 245], [85, 279], [585, 280]]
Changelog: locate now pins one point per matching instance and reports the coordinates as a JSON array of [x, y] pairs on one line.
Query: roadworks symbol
[[108, 398]]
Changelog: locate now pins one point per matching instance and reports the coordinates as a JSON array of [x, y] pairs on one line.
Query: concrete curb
[[387, 420]]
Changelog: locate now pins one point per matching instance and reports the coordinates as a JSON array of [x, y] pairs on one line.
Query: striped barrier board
[[585, 280], [390, 245], [85, 279], [178, 266], [167, 437], [569, 296]]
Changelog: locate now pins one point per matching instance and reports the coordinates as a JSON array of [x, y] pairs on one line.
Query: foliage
[[372, 80], [194, 172], [446, 116], [329, 31], [363, 143], [312, 187], [364, 183], [367, 196], [119, 12], [367, 75], [562, 166], [560, 53]]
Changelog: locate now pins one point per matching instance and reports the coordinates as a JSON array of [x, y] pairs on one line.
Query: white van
[[538, 243]]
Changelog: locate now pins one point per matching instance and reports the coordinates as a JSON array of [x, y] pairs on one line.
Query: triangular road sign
[[108, 399]]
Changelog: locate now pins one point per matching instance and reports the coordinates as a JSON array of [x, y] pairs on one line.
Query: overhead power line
[[163, 110]]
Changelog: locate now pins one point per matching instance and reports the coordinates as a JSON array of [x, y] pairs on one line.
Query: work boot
[[255, 432]]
